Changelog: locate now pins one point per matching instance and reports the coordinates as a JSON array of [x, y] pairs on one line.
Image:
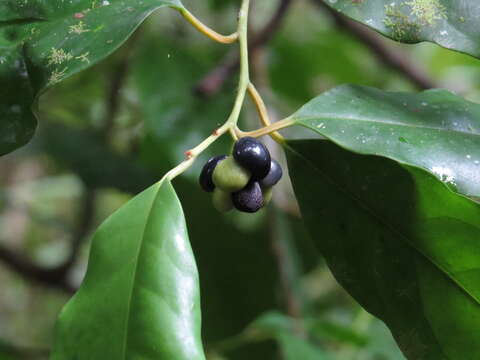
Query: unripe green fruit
[[229, 176], [222, 200], [267, 195]]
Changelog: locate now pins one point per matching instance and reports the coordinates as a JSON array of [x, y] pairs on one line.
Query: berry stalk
[[231, 123]]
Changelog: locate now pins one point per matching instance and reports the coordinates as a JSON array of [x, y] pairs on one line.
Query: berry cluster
[[243, 180]]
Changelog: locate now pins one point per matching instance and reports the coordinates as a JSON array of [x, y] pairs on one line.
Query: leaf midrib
[[381, 222], [134, 276], [359, 119]]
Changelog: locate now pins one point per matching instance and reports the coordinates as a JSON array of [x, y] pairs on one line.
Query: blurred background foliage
[[109, 132]]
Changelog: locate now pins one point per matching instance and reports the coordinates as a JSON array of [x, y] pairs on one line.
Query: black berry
[[249, 199], [205, 179], [274, 175], [253, 156]]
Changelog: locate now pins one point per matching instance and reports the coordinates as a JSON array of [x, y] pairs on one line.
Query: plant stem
[[231, 123], [214, 81], [205, 30], [269, 130], [244, 66], [262, 111], [260, 105]]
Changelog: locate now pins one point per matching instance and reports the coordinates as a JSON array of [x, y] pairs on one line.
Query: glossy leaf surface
[[400, 242], [140, 296], [42, 43], [434, 130], [451, 24]]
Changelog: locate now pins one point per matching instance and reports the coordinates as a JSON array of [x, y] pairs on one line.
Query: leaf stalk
[[262, 112], [205, 30], [269, 130]]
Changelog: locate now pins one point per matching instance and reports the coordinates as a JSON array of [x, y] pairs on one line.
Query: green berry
[[267, 195], [229, 176], [222, 200], [205, 179]]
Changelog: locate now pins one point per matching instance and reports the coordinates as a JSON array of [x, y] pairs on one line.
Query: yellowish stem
[[262, 111], [205, 30], [268, 130], [258, 101], [231, 124]]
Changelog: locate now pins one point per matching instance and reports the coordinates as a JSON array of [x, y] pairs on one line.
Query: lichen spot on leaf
[[428, 12]]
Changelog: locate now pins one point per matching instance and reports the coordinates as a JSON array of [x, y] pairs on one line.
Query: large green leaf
[[384, 214], [451, 24], [42, 43], [404, 245], [140, 296], [434, 130]]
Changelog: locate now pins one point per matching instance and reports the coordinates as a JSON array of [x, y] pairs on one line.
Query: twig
[[384, 53], [117, 81], [263, 112], [54, 278], [212, 83], [231, 124], [83, 227]]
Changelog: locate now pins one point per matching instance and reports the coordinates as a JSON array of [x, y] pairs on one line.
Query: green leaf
[[434, 130], [294, 348], [221, 261], [338, 332], [399, 241], [140, 296], [282, 328], [42, 43], [451, 24], [7, 352]]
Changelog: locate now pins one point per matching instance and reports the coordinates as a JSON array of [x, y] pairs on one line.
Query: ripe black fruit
[[249, 199], [205, 179], [253, 156], [274, 175]]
